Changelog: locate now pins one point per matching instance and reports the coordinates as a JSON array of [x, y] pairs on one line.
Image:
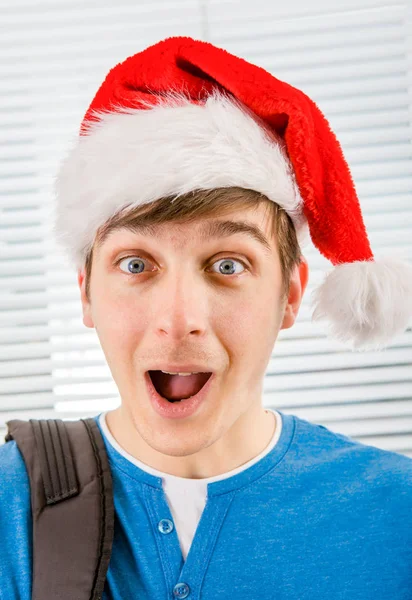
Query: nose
[[181, 305]]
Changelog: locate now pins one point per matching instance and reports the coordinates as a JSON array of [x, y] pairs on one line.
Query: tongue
[[178, 386]]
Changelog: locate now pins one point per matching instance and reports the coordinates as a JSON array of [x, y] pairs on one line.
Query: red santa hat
[[184, 115]]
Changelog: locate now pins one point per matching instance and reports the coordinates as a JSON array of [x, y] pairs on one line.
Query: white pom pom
[[366, 303]]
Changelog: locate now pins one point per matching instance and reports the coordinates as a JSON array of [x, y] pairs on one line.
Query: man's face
[[211, 301]]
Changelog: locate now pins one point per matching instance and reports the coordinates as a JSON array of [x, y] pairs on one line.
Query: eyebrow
[[208, 230]]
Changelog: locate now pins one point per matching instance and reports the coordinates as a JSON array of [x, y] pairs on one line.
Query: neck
[[248, 436]]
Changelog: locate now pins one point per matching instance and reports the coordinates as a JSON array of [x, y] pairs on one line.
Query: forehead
[[200, 231]]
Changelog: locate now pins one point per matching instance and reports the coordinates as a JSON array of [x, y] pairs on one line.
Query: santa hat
[[183, 115]]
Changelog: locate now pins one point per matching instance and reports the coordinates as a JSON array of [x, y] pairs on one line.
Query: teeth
[[183, 374]]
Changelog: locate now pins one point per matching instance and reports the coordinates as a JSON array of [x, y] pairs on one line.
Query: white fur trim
[[366, 303], [132, 157]]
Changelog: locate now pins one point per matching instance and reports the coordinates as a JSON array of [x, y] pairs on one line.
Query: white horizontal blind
[[353, 59], [54, 58]]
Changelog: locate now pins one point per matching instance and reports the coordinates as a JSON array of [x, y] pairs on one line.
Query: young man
[[184, 208]]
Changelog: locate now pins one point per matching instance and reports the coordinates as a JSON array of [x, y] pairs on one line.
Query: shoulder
[[15, 524], [350, 458], [14, 479]]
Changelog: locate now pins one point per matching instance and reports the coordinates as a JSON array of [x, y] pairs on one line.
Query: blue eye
[[135, 265], [225, 268]]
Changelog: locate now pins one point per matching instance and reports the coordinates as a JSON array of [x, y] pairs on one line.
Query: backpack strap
[[72, 506]]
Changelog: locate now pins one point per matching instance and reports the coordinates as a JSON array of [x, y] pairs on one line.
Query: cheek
[[119, 324], [248, 324], [120, 333], [257, 311], [251, 327]]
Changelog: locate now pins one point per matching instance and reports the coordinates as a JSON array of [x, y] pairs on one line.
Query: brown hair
[[208, 203]]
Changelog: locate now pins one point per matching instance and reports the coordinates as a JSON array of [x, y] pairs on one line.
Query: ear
[[298, 283], [86, 306]]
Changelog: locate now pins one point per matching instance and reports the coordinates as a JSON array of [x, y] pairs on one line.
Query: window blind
[[352, 59]]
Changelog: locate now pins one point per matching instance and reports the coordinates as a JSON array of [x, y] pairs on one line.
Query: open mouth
[[176, 388]]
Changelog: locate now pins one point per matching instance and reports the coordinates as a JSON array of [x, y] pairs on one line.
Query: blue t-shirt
[[319, 517]]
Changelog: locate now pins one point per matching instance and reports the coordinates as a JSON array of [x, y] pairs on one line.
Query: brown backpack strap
[[72, 506]]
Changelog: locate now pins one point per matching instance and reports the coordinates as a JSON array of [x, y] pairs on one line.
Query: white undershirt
[[187, 497]]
